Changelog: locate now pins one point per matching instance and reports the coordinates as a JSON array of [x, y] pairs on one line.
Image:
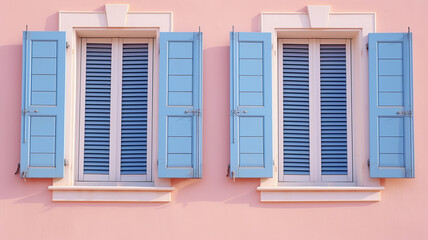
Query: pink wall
[[213, 207]]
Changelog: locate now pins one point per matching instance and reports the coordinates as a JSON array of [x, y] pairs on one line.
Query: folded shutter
[[43, 96], [250, 105], [391, 105], [180, 105]]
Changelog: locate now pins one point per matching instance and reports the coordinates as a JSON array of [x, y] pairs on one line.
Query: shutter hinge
[[228, 170], [157, 163], [67, 45], [24, 176], [18, 168], [368, 162], [367, 46], [65, 162]]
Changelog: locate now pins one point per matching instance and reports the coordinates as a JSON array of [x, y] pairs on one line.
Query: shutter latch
[[25, 111], [194, 112], [405, 113]]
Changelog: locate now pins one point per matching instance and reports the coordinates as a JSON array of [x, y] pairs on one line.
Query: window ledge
[[320, 194], [110, 194]]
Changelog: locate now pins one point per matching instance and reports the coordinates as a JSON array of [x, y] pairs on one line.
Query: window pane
[[97, 108], [134, 109]]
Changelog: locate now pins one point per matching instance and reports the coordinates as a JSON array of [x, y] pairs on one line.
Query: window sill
[[320, 194], [110, 194]]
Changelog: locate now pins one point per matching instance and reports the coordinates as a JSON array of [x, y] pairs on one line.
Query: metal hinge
[[228, 170], [405, 113], [24, 176], [65, 162], [157, 163], [67, 44], [18, 168], [367, 46], [368, 162]]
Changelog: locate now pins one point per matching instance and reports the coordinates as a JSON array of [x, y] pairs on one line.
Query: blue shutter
[[296, 109], [134, 109], [180, 105], [43, 96], [334, 137], [97, 108], [391, 105], [250, 105]]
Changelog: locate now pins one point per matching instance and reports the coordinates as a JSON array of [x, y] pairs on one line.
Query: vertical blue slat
[[251, 105], [134, 109], [334, 127], [180, 105], [296, 109], [43, 96], [391, 105], [97, 108]]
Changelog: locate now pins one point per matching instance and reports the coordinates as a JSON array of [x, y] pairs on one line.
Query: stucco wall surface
[[213, 207]]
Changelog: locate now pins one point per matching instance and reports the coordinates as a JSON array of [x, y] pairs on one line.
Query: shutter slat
[[296, 109], [97, 109], [333, 110], [134, 109]]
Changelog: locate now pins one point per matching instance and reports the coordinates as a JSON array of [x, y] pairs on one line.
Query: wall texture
[[213, 207]]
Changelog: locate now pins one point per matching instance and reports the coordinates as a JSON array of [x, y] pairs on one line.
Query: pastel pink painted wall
[[213, 207]]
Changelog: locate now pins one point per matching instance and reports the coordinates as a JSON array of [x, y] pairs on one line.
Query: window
[[301, 178], [115, 110], [315, 110]]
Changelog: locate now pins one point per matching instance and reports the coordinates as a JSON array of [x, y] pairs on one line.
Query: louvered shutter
[[43, 96], [250, 105], [296, 109], [334, 136], [135, 68], [391, 105], [97, 101], [180, 105]]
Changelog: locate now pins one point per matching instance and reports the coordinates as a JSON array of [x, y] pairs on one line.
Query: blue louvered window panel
[[315, 110], [296, 109], [134, 109], [115, 103], [97, 108], [334, 145]]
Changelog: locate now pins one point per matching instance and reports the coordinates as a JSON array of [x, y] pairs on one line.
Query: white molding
[[110, 194], [95, 24], [354, 26], [320, 194]]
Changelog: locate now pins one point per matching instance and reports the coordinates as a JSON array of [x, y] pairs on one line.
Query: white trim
[[354, 26], [320, 194], [110, 194], [94, 24]]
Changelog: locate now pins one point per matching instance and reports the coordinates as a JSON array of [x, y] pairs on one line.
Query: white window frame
[[319, 22], [315, 177], [114, 177], [116, 21]]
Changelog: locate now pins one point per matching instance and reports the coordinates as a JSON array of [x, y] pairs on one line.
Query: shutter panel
[[334, 145], [134, 109], [43, 96], [296, 109], [391, 105], [180, 105], [251, 105], [97, 108]]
